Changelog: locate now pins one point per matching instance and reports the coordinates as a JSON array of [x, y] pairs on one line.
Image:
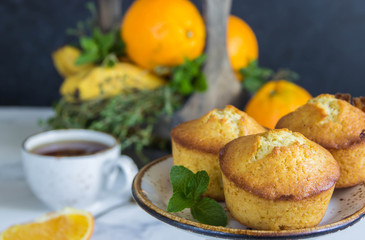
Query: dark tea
[[69, 148]]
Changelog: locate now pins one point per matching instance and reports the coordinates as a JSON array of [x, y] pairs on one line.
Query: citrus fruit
[[274, 100], [163, 32], [70, 224], [104, 82], [64, 60], [242, 45]]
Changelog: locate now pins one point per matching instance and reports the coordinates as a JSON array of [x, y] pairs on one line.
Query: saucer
[[152, 190]]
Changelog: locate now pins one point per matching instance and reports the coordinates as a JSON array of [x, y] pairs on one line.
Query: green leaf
[[96, 45], [87, 58], [100, 47], [179, 202], [187, 190], [90, 51], [185, 88], [200, 60], [252, 84], [201, 83], [104, 41], [254, 76], [198, 184], [180, 177], [208, 211], [88, 44], [119, 46], [188, 77]]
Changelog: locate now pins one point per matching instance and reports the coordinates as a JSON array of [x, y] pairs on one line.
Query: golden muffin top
[[212, 131], [331, 122], [279, 165]]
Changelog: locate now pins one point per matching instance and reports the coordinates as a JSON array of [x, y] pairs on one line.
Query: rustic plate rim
[[225, 232]]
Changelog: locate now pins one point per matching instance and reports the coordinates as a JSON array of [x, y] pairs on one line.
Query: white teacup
[[77, 181]]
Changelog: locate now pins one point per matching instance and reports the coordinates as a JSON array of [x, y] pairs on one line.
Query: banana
[[104, 82], [64, 59]]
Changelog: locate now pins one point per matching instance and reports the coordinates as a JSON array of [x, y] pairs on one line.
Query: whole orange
[[274, 100], [242, 45], [163, 32]]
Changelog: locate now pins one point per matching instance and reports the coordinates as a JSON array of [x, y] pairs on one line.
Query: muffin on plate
[[339, 127], [277, 180], [196, 143]]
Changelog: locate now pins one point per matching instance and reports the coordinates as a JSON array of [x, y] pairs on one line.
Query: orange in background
[[242, 45], [163, 32], [274, 100]]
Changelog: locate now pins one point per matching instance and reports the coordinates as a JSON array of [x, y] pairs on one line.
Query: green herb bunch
[[187, 193], [188, 77], [130, 116], [97, 47]]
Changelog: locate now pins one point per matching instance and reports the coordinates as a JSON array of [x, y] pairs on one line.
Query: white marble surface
[[18, 204]]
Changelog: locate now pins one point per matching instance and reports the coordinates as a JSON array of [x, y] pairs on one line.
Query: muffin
[[196, 143], [339, 127], [277, 180]]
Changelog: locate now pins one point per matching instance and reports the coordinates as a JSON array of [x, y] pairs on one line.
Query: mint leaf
[[198, 184], [96, 45], [254, 76], [180, 177], [100, 46], [208, 211], [179, 202], [187, 191], [252, 84], [90, 51], [188, 77], [104, 41], [118, 47], [88, 44], [185, 88], [200, 83], [87, 58]]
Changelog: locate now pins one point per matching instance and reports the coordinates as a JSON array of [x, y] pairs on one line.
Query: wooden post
[[109, 14], [223, 87]]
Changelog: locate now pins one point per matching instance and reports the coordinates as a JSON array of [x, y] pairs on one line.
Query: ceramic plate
[[152, 191]]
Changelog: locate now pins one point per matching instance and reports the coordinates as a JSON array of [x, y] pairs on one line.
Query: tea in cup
[[76, 167]]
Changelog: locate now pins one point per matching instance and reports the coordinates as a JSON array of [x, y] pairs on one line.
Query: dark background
[[322, 40]]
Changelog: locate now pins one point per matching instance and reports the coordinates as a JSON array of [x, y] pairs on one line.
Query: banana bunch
[[101, 82]]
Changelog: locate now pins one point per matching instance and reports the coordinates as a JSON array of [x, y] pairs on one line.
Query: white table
[[18, 204]]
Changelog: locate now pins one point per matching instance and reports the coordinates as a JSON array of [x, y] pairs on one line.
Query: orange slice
[[70, 224]]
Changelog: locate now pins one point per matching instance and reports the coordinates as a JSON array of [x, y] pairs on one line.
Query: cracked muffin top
[[331, 122], [216, 128], [279, 165]]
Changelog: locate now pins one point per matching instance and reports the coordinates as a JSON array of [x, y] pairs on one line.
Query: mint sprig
[[98, 46], [188, 77], [187, 193], [254, 76]]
